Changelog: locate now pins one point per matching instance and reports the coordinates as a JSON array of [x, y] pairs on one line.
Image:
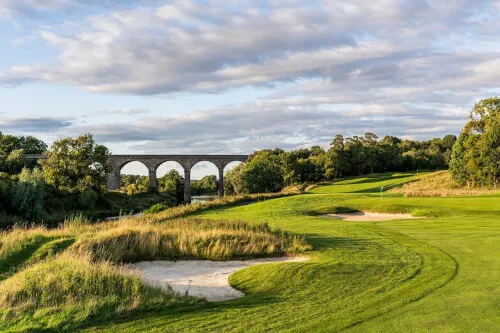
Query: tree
[[475, 157], [13, 150], [28, 194], [206, 185], [76, 165], [263, 173], [234, 180], [173, 183]]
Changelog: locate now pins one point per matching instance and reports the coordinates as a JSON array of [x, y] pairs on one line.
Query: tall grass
[[189, 239], [438, 184], [79, 288]]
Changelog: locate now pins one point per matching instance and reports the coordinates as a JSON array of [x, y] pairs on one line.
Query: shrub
[[156, 208], [28, 194], [88, 199]]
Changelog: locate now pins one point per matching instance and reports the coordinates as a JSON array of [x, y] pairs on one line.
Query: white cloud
[[126, 111]]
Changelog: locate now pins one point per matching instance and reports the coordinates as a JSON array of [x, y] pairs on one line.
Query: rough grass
[[64, 278], [73, 289], [438, 184], [188, 239]]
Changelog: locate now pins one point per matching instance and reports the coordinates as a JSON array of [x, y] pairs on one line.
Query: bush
[[88, 199], [156, 208], [28, 195]]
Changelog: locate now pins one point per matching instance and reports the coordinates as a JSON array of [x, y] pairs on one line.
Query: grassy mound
[[75, 289], [189, 239], [438, 184]]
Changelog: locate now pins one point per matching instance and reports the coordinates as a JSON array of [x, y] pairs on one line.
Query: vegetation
[[187, 239], [71, 290], [272, 170], [207, 185], [13, 150], [439, 184], [385, 276], [422, 275], [476, 155], [68, 277], [76, 164]]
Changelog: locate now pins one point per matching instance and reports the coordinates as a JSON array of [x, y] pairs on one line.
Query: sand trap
[[201, 278], [367, 216]]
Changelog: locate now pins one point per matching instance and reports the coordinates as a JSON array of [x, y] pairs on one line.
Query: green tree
[[263, 173], [476, 154], [76, 165], [28, 194], [234, 181], [172, 183]]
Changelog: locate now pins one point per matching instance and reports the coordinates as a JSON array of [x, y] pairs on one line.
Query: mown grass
[[437, 274], [425, 275]]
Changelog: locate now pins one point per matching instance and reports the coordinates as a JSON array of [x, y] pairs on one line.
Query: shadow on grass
[[380, 179], [320, 243]]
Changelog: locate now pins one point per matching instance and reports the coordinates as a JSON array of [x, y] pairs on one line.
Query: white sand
[[201, 278], [367, 216]]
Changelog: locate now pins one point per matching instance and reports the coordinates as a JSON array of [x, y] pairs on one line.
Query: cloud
[[270, 123], [34, 124], [125, 111], [210, 46]]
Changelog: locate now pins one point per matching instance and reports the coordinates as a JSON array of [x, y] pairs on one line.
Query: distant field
[[435, 274]]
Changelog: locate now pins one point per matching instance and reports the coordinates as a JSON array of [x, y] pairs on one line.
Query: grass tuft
[[189, 239], [79, 288]]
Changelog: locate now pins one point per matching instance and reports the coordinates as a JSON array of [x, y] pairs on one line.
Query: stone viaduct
[[152, 162]]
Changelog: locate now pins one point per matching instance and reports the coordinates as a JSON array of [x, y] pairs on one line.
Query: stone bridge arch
[[152, 162]]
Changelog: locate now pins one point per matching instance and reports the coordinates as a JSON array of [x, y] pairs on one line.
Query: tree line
[[76, 167], [273, 169]]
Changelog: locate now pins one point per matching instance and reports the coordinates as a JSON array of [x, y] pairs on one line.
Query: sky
[[231, 77]]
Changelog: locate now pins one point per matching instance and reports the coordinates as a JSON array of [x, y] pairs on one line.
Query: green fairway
[[438, 274]]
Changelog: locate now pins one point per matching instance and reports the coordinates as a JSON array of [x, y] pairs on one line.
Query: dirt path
[[200, 278]]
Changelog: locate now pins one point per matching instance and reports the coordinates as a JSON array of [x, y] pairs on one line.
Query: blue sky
[[208, 77]]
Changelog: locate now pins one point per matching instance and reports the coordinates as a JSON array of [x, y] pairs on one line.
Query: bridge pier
[[221, 181], [113, 180], [187, 185], [153, 183]]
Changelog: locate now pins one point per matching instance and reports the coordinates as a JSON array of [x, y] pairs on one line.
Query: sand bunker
[[200, 278], [367, 216]]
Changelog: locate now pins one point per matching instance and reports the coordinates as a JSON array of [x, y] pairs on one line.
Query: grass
[[427, 275], [439, 184], [188, 239], [60, 279], [436, 274], [69, 290]]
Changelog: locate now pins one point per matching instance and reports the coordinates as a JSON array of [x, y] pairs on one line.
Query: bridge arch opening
[[204, 181], [231, 165], [232, 178], [170, 179], [134, 177]]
